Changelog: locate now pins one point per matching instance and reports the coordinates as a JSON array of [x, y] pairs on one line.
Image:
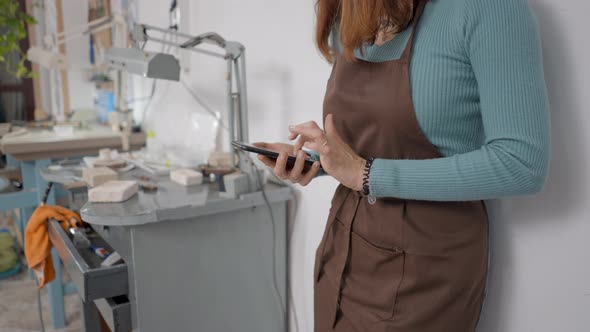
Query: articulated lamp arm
[[234, 55]]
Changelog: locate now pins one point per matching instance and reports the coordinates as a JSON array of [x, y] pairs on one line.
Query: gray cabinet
[[195, 261]]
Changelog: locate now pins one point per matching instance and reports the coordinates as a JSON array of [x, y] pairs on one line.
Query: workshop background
[[540, 266], [540, 263]]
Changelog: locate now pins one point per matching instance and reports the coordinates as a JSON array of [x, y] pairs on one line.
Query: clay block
[[235, 184], [113, 192], [98, 175], [186, 177]]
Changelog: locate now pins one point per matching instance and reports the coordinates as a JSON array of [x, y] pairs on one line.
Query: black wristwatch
[[366, 190]]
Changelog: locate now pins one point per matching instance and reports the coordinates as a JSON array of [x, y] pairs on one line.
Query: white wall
[[540, 278], [540, 269]]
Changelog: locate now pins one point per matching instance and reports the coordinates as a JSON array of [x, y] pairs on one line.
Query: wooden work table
[[33, 150], [46, 144]]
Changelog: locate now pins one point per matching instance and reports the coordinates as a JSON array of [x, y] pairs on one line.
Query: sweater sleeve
[[313, 155], [502, 41]]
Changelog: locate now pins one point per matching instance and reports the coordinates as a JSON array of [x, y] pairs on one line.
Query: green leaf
[[21, 71], [30, 20], [14, 23]]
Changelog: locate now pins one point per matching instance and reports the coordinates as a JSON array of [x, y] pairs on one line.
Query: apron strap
[[415, 20]]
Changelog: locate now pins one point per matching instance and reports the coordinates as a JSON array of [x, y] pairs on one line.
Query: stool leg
[[29, 180]]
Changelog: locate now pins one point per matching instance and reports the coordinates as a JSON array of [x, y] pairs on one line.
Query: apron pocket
[[371, 281]]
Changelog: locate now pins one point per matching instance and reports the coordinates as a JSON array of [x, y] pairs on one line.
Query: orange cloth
[[37, 244]]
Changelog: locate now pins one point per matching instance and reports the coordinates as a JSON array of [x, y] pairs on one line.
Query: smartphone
[[272, 154]]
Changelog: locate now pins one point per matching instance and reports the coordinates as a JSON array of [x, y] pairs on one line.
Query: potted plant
[[13, 28]]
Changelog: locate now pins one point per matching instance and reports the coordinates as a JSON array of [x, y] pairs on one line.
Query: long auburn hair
[[359, 22]]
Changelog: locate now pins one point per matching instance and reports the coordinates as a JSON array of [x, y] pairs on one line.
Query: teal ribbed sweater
[[480, 96]]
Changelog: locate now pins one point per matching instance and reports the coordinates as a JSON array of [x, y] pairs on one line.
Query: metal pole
[[242, 86], [119, 92], [196, 50], [230, 107], [238, 103], [246, 165]]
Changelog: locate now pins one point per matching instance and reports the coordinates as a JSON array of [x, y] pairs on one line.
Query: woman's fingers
[[267, 161], [296, 173], [280, 168], [310, 175], [308, 134], [310, 130], [301, 142]]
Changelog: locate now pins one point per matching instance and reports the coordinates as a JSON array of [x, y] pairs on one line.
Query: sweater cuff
[[382, 178], [315, 157]]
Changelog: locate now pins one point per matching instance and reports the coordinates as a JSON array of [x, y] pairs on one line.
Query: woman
[[431, 107]]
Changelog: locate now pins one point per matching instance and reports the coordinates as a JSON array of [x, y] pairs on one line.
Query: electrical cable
[[274, 251], [154, 83], [163, 50], [193, 93], [207, 108], [290, 240], [289, 237], [46, 195]]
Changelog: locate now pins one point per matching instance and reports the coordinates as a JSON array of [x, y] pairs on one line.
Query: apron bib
[[396, 265]]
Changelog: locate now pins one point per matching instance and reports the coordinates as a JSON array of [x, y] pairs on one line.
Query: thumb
[[329, 126]]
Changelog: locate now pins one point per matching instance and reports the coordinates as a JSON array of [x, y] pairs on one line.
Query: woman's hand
[[337, 158], [279, 166]]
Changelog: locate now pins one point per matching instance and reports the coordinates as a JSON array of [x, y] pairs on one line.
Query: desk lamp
[[166, 66], [48, 57]]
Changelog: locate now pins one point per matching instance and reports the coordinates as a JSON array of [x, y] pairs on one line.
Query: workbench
[[193, 260], [34, 150]]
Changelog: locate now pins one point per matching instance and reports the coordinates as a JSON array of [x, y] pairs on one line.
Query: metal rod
[[83, 33], [230, 107], [119, 102], [238, 130], [179, 34], [83, 27], [237, 102], [242, 89], [210, 37], [197, 50]]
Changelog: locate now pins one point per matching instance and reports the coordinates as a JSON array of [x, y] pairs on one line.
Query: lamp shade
[[147, 64]]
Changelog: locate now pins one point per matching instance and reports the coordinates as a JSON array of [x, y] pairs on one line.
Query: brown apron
[[396, 265]]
